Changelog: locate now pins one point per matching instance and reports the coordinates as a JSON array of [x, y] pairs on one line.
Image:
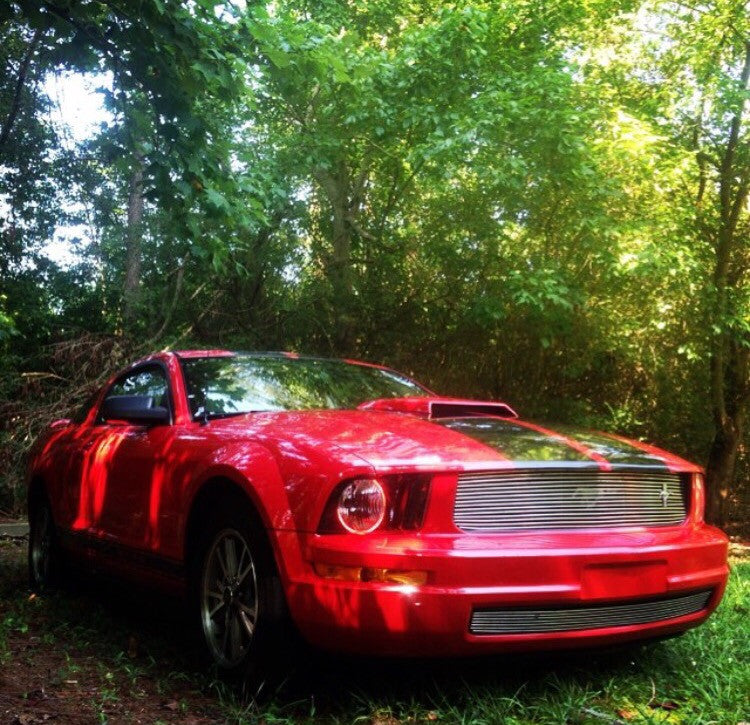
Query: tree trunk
[[336, 187], [730, 378], [131, 290], [722, 460], [15, 104]]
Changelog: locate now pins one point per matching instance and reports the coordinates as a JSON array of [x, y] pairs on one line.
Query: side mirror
[[137, 409]]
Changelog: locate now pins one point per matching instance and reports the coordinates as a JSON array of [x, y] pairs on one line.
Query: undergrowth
[[128, 654]]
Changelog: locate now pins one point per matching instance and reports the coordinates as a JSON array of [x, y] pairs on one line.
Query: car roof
[[203, 353], [193, 354]]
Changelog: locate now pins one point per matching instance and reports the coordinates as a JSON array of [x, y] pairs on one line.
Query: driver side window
[[150, 382]]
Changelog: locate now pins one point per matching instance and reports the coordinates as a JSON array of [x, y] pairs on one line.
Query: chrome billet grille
[[539, 499], [531, 621]]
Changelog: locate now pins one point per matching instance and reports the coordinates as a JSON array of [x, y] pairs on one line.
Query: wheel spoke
[[246, 571], [251, 612], [247, 617], [223, 566], [225, 638], [243, 553], [235, 636], [216, 608], [231, 556], [41, 545]]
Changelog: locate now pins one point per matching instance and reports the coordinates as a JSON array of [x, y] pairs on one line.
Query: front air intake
[[469, 408], [568, 619]]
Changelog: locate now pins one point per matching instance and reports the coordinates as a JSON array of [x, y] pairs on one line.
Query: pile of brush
[[72, 371]]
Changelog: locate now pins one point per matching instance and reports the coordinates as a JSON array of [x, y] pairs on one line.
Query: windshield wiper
[[205, 417]]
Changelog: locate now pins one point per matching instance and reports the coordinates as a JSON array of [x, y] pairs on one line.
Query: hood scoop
[[432, 408]]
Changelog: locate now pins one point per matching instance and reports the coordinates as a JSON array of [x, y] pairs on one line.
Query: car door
[[124, 470]]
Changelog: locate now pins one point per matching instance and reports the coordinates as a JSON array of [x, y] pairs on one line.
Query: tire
[[238, 601], [45, 557]]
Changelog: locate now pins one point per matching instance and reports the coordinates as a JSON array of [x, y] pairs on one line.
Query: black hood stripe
[[576, 445], [520, 441]]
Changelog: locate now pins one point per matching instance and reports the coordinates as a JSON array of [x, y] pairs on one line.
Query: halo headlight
[[362, 505]]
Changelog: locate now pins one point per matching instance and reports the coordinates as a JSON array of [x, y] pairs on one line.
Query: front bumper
[[466, 573]]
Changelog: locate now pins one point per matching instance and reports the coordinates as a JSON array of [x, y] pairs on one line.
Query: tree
[[728, 235], [688, 76], [407, 94], [176, 71]]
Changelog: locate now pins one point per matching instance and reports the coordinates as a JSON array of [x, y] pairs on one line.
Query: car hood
[[397, 441]]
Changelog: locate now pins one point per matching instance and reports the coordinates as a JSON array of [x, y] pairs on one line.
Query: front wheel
[[240, 604], [229, 598]]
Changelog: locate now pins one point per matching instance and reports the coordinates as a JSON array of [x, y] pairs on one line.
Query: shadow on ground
[[131, 656]]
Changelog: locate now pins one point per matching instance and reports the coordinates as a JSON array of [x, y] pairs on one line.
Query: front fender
[[254, 470], [288, 491]]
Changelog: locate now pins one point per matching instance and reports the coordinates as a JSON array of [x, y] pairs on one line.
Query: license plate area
[[623, 580]]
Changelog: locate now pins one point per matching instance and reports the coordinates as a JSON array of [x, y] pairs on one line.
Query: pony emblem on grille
[[664, 495]]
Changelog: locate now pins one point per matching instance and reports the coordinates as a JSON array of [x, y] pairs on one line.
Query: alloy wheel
[[229, 598]]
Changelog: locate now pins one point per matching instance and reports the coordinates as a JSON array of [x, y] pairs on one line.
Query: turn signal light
[[370, 574], [699, 497]]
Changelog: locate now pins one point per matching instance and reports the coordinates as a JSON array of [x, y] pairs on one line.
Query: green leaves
[[538, 188], [216, 200]]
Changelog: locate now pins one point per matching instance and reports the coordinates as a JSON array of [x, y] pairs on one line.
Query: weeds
[[86, 639]]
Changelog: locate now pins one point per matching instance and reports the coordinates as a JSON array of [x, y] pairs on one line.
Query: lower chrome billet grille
[[544, 499], [533, 621]]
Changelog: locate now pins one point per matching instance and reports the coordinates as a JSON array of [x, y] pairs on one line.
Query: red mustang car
[[349, 501]]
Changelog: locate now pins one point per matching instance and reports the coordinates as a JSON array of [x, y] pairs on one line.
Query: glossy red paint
[[673, 463], [188, 354], [122, 494]]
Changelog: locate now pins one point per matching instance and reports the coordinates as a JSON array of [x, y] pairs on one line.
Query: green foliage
[[510, 199]]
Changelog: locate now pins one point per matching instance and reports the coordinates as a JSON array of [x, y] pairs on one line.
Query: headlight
[[361, 506], [391, 502]]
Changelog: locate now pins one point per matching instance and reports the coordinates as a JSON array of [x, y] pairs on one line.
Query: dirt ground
[[57, 663]]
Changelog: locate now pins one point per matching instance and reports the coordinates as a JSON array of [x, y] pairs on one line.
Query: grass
[[104, 655]]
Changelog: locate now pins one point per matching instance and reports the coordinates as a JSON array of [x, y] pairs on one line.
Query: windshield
[[221, 386]]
